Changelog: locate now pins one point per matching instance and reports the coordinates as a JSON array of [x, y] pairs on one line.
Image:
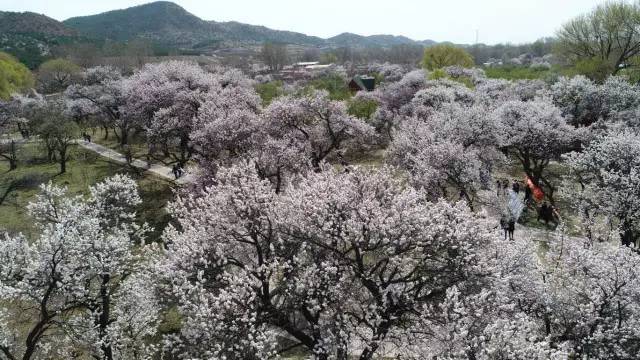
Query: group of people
[[177, 171], [86, 137], [546, 212], [503, 187]]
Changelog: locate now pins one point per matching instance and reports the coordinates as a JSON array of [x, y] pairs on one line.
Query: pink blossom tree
[[102, 88], [320, 126]]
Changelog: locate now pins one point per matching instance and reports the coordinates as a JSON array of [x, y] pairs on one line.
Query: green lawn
[[19, 187]]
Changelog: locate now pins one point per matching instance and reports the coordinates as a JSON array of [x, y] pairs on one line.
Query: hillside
[[252, 33], [355, 40], [30, 37], [169, 24], [161, 22], [28, 22]]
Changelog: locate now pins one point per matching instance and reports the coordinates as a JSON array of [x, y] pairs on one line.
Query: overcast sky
[[497, 21]]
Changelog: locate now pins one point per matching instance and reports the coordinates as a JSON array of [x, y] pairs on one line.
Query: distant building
[[305, 64], [318, 67], [362, 83]]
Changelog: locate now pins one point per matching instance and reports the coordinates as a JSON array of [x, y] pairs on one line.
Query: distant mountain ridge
[[28, 22], [168, 23], [355, 40], [31, 37]]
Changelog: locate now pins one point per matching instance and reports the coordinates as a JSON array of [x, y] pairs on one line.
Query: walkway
[[157, 169]]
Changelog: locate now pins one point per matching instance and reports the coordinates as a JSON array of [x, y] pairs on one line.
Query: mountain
[[355, 40], [169, 24], [244, 32], [28, 22], [162, 22], [30, 37]]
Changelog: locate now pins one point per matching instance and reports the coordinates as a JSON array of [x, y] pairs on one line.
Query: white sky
[[498, 21]]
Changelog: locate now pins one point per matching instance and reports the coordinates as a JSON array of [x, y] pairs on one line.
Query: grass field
[[85, 168]]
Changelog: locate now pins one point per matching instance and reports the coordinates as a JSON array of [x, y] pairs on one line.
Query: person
[[504, 225], [527, 194], [542, 212], [511, 227], [554, 215], [88, 138], [128, 156], [498, 188], [180, 171], [174, 170], [516, 187], [505, 186]]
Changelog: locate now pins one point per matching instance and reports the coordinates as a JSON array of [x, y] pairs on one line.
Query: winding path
[[157, 169]]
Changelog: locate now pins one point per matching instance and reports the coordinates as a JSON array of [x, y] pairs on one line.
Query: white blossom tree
[[335, 259], [608, 171], [64, 286], [451, 153], [102, 87], [536, 133]]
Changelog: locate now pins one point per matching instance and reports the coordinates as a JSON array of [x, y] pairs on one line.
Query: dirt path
[[157, 169]]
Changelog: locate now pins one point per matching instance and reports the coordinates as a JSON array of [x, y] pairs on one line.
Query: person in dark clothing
[[527, 195], [511, 227], [498, 188], [505, 186], [175, 172], [504, 225], [516, 187], [128, 156], [542, 212]]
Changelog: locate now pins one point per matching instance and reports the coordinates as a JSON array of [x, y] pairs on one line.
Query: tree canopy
[[608, 36], [55, 75], [14, 76], [440, 56]]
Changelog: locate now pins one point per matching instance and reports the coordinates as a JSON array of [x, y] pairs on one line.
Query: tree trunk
[[63, 161], [107, 353], [13, 156]]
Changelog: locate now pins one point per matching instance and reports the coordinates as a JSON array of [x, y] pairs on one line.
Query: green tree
[[439, 56], [595, 69], [362, 108], [328, 58], [14, 76], [57, 134], [55, 75], [335, 84], [269, 91], [607, 35], [275, 56]]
